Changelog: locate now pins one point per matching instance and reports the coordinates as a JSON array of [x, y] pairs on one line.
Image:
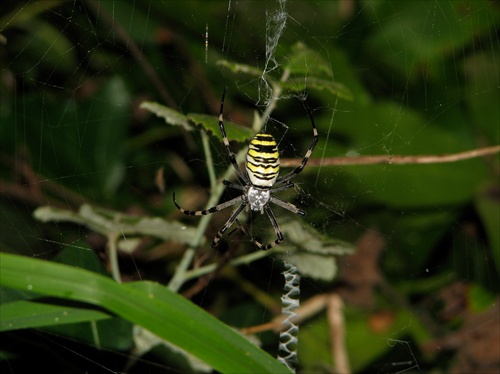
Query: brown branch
[[336, 324], [31, 187], [308, 309], [393, 159], [24, 193]]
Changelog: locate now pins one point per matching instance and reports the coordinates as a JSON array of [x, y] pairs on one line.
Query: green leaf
[[310, 82], [26, 12], [211, 124], [170, 116], [482, 94], [110, 113], [479, 299], [145, 341], [305, 238], [451, 25], [313, 266], [48, 46], [308, 71], [106, 221], [147, 304], [240, 68], [314, 254], [416, 235], [196, 120], [24, 314], [305, 61]]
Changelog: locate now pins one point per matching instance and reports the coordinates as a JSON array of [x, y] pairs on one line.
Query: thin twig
[[337, 333], [393, 159], [308, 309], [33, 186]]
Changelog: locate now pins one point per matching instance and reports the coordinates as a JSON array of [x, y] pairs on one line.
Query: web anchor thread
[[287, 349]]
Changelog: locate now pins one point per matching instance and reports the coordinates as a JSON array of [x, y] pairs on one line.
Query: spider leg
[[233, 185], [213, 209], [228, 223], [299, 168], [284, 187], [232, 156], [286, 205], [277, 230]]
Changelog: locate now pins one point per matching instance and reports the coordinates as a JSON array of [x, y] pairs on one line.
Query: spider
[[260, 181]]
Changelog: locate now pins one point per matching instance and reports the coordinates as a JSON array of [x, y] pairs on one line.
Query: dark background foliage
[[424, 80]]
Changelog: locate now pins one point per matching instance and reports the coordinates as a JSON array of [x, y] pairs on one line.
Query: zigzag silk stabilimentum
[[287, 353]]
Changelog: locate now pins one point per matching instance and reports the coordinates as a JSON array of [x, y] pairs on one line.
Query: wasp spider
[[260, 181]]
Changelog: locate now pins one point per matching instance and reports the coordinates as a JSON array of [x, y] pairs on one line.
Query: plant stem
[[245, 259], [113, 256], [210, 161]]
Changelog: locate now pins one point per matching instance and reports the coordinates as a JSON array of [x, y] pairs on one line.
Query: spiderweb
[[424, 80]]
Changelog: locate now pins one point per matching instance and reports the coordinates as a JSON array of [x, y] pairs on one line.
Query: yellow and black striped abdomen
[[263, 160]]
